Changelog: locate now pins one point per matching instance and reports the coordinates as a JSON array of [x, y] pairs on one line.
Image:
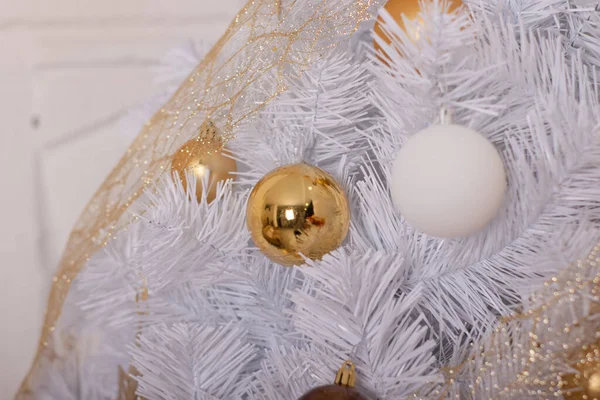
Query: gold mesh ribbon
[[268, 43], [551, 349]]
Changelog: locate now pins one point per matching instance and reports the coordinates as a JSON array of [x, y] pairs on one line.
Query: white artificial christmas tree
[[184, 298]]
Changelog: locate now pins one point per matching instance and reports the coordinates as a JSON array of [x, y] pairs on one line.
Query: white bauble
[[448, 181]]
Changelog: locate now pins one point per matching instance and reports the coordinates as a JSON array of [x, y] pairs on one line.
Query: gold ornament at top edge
[[409, 9]]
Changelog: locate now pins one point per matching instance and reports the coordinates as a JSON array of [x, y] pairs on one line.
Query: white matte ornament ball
[[448, 181]]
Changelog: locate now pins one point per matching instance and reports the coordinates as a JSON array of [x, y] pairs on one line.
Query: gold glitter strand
[[551, 349], [248, 67], [127, 383]]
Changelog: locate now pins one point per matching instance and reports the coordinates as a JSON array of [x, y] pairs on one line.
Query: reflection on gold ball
[[593, 387], [297, 209], [584, 384], [203, 154], [332, 392], [410, 9]]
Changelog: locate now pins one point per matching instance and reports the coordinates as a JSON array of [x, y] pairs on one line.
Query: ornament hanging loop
[[445, 116], [346, 375]]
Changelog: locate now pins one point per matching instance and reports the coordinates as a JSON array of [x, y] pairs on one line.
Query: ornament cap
[[346, 375], [445, 116]]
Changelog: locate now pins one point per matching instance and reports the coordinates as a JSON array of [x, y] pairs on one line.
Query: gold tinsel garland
[[551, 349], [268, 43]]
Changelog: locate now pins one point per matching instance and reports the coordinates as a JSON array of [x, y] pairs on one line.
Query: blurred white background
[[69, 70]]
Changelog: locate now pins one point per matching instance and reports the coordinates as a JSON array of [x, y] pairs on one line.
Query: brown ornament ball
[[297, 209], [333, 392], [410, 9], [203, 154]]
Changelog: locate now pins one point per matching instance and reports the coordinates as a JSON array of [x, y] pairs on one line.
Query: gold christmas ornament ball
[[593, 386], [297, 209], [583, 385], [203, 154], [410, 9]]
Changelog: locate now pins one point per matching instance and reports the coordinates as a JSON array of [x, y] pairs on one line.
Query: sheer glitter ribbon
[[268, 43], [551, 349]]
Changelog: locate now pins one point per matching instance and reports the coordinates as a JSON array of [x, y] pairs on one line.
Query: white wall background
[[69, 69]]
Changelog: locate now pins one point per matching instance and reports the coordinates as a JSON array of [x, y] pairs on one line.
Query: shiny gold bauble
[[199, 156], [342, 388], [410, 9], [297, 209], [593, 386], [585, 383], [333, 392]]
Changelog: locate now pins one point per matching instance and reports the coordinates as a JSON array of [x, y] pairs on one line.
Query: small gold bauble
[[585, 383], [410, 9], [203, 154], [297, 209]]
